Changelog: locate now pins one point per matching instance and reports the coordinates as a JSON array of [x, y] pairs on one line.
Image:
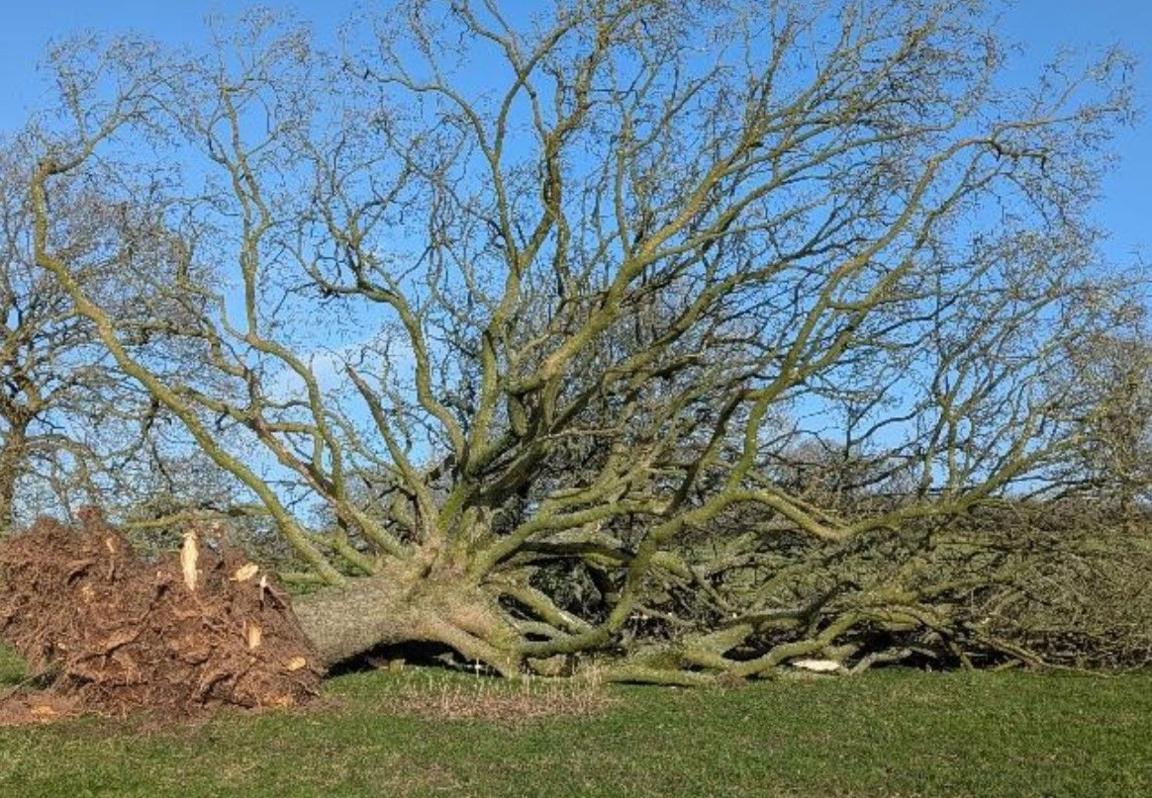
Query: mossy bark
[[403, 605]]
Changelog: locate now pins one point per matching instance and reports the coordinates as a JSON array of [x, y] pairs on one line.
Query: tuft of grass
[[885, 734], [500, 702], [11, 667]]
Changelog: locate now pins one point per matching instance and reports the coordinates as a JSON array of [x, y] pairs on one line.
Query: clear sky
[[1041, 25]]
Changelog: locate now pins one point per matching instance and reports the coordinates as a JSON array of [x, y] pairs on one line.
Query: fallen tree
[[1047, 584], [491, 358], [1051, 585]]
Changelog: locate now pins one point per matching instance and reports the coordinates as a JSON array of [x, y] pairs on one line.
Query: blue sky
[[1041, 25]]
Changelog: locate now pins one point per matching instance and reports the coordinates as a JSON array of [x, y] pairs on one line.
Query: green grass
[[11, 669], [891, 733]]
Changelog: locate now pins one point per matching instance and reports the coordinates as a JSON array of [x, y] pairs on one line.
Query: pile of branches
[[1060, 584], [1040, 584], [115, 632]]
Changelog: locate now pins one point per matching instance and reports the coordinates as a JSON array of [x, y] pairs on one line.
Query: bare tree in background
[[71, 419], [1114, 463], [76, 429], [520, 301]]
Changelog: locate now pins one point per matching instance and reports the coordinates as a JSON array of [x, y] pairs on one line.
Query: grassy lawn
[[891, 733], [11, 669]]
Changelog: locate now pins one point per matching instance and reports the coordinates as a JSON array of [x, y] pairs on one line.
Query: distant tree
[[76, 429], [62, 393], [1113, 374]]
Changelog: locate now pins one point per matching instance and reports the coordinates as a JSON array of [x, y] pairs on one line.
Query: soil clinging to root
[[113, 632]]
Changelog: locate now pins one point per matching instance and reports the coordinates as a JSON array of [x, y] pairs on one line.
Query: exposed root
[[117, 633]]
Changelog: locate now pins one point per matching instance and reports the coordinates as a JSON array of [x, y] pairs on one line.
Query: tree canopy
[[585, 331]]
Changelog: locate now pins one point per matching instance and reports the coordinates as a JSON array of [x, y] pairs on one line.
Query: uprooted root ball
[[118, 633]]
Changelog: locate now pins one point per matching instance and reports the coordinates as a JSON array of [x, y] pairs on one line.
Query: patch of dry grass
[[501, 702]]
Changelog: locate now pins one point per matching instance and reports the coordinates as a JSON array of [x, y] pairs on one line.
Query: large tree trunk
[[402, 605]]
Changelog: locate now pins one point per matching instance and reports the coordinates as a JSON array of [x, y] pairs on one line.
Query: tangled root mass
[[116, 632]]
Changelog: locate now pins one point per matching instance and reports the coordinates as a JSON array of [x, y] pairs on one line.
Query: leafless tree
[[520, 299], [1114, 374], [71, 420]]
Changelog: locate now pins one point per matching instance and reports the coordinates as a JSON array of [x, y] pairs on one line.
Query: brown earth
[[28, 708], [112, 632]]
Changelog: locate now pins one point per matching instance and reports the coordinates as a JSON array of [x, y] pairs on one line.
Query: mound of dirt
[[116, 633]]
